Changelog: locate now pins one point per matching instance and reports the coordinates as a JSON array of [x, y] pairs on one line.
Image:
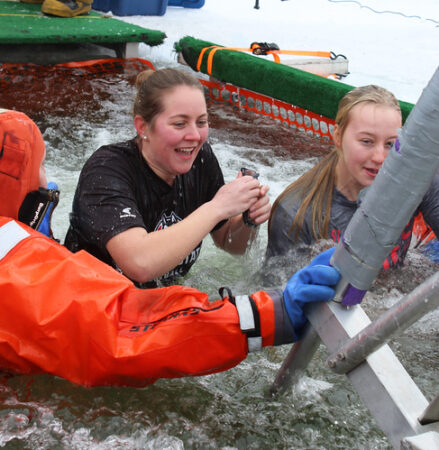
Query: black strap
[[35, 205], [229, 293], [261, 48]]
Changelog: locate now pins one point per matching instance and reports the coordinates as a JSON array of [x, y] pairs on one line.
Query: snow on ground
[[393, 43]]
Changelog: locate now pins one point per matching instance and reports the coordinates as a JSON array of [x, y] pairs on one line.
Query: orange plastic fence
[[283, 113]]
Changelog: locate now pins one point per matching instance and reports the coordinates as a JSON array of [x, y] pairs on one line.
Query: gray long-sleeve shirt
[[281, 241]]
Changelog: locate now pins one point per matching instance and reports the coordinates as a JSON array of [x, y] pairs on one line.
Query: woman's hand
[[237, 196], [244, 193], [259, 212]]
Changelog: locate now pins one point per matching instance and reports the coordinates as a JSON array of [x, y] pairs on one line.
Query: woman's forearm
[[145, 256], [234, 236]]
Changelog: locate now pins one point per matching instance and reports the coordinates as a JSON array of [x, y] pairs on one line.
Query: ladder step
[[431, 413]]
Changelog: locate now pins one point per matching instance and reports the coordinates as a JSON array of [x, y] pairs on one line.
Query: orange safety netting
[[283, 113]]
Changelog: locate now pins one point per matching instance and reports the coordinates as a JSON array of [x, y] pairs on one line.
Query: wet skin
[[369, 135], [176, 135]]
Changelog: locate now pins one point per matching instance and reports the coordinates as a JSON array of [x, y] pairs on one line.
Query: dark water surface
[[77, 112]]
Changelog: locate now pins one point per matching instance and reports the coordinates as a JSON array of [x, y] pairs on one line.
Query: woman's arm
[[281, 239], [144, 256], [235, 235]]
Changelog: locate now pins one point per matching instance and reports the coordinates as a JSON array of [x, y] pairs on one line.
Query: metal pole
[[256, 4], [296, 361], [391, 200], [422, 300], [385, 387]]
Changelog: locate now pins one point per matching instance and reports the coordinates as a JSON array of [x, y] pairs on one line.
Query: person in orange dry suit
[[73, 316]]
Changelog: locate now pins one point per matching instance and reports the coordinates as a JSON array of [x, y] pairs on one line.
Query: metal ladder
[[358, 347]]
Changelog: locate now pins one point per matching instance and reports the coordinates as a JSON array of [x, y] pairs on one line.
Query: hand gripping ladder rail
[[357, 347]]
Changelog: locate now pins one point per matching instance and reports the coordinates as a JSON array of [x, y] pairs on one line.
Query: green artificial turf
[[296, 87], [24, 23]]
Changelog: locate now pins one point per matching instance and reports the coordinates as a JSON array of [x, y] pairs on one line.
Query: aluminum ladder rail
[[402, 413], [358, 348]]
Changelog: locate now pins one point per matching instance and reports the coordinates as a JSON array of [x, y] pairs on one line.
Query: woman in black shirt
[[129, 194]]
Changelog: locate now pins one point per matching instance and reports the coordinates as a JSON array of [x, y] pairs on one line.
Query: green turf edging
[[305, 90], [23, 23]]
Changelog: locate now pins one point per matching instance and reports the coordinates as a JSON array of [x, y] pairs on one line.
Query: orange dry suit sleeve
[[73, 316]]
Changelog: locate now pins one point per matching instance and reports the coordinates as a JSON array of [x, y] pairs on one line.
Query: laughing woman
[[144, 206], [320, 204]]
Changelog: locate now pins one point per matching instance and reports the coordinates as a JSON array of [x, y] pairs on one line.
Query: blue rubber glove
[[45, 224], [313, 283]]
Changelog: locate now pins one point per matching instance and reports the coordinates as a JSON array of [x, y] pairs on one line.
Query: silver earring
[[145, 138]]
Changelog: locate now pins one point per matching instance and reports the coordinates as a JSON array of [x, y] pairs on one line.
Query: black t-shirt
[[117, 190]]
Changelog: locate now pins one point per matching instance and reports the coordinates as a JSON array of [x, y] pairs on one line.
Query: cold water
[[226, 410]]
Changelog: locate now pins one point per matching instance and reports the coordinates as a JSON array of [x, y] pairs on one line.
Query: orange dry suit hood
[[21, 154]]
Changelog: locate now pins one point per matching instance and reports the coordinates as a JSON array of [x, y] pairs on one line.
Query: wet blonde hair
[[153, 85], [316, 186]]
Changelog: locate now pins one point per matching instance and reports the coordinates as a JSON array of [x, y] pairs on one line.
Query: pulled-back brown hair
[[315, 187], [153, 85]]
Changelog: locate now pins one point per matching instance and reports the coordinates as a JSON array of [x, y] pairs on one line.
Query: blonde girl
[[320, 204]]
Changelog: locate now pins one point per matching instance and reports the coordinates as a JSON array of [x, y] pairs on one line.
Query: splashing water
[[226, 410]]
